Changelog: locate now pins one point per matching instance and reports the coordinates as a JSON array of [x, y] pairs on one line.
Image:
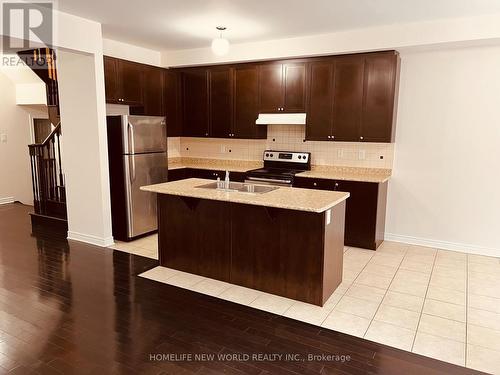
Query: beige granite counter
[[285, 197], [348, 173], [214, 164], [317, 171]]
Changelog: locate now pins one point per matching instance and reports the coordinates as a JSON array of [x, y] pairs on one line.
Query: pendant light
[[220, 45]]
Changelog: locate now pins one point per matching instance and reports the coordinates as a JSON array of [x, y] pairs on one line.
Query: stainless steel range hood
[[281, 119]]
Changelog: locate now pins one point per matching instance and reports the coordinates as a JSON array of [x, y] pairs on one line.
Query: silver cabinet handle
[[269, 180], [333, 137], [361, 138]]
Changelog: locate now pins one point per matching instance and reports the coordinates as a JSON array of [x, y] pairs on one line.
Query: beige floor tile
[[440, 348], [384, 259], [402, 286], [446, 295], [450, 263], [185, 280], [274, 304], [391, 335], [239, 294], [457, 273], [412, 276], [366, 292], [349, 275], [210, 287], [370, 279], [380, 270], [481, 276], [482, 259], [356, 306], [482, 336], [452, 255], [483, 359], [444, 310], [484, 288], [346, 323], [449, 329], [161, 274], [483, 318], [308, 313], [448, 282], [416, 266], [484, 303], [398, 317], [421, 250], [494, 269], [420, 258], [403, 301]]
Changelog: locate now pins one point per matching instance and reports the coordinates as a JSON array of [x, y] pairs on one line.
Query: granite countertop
[[377, 175], [285, 197]]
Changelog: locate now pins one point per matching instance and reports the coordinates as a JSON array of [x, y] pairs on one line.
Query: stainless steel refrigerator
[[137, 151]]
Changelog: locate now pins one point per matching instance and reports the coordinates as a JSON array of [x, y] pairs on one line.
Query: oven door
[[268, 181]]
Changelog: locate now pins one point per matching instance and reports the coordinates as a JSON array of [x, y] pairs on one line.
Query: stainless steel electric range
[[280, 167]]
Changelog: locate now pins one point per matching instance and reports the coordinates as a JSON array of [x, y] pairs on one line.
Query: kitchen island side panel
[[289, 253]]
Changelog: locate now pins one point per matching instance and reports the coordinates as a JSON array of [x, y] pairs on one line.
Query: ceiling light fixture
[[220, 45]]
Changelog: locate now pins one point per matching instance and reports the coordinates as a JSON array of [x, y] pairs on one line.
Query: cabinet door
[[177, 174], [173, 102], [348, 98], [221, 114], [245, 103], [270, 88], [320, 106], [153, 91], [294, 87], [111, 79], [195, 103], [379, 97], [131, 80]]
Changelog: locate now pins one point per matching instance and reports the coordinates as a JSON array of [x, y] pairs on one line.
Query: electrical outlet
[[223, 149], [340, 153], [361, 154], [3, 138]]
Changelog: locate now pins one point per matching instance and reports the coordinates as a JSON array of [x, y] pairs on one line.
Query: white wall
[[15, 123], [459, 31], [131, 52], [84, 147], [445, 186]]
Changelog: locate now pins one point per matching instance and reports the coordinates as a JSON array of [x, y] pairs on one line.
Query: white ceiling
[[182, 24]]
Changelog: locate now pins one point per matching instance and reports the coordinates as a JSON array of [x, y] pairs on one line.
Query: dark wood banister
[[46, 141]]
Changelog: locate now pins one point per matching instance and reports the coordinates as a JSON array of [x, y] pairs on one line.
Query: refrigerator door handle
[[132, 168], [131, 140]]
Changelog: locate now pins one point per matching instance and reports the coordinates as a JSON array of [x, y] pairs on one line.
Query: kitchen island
[[287, 242]]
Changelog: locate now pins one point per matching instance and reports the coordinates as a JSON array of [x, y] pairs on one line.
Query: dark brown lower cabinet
[[295, 254], [365, 210]]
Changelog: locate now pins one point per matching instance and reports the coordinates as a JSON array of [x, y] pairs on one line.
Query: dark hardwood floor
[[67, 307]]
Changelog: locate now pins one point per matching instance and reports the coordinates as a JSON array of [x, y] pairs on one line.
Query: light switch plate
[[3, 138], [340, 153], [361, 154]]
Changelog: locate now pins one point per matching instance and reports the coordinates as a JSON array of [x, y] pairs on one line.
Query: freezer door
[[140, 170], [143, 134]]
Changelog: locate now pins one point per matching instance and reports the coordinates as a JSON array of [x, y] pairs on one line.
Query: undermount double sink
[[239, 187]]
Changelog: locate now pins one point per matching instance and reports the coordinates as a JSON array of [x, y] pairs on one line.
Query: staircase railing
[[47, 175]]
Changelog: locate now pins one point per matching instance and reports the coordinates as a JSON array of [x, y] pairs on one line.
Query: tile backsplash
[[286, 138]]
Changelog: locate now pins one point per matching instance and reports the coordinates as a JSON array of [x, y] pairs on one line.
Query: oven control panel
[[287, 156]]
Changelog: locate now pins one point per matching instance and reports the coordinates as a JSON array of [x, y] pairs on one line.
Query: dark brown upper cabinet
[[282, 87], [173, 102], [221, 101], [124, 81], [195, 102], [154, 103], [245, 102], [381, 83], [353, 98]]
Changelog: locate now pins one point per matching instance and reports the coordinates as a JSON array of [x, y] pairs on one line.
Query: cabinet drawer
[[314, 183]]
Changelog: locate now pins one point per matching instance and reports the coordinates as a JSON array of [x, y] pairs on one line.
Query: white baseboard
[[6, 200], [454, 246], [90, 239]]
